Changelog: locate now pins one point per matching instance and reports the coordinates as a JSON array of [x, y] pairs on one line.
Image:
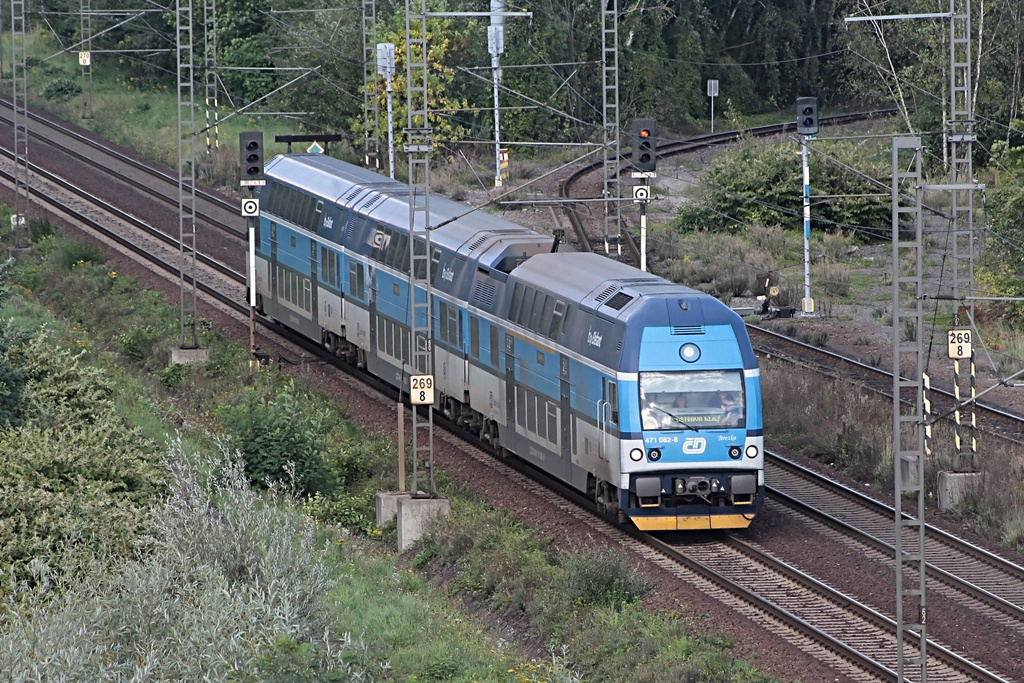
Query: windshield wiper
[[673, 417]]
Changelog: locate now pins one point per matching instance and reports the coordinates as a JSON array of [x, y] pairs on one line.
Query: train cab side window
[[613, 402]]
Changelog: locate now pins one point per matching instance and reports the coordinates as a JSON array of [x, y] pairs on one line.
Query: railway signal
[[250, 145], [807, 115], [644, 143]]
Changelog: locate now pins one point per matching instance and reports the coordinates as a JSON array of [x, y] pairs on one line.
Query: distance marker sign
[[959, 344], [421, 390]]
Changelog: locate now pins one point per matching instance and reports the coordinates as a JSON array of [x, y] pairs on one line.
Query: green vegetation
[[762, 185], [220, 526]]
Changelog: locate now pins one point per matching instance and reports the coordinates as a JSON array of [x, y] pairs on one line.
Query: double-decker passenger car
[[640, 392]]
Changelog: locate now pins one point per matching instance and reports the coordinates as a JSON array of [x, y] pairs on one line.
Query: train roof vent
[[619, 301], [687, 329], [483, 293], [353, 194], [606, 293], [478, 241], [376, 198]]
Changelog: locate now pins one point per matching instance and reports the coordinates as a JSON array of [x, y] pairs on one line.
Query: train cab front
[[700, 463]]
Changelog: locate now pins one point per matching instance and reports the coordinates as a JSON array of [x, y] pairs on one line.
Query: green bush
[[62, 90], [173, 376], [234, 582], [138, 342], [76, 480], [346, 511], [272, 431], [599, 576], [763, 185]]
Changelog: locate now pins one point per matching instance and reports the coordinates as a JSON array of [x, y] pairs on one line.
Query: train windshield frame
[[694, 399]]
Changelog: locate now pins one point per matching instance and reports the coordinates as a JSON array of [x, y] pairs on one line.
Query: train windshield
[[704, 399]]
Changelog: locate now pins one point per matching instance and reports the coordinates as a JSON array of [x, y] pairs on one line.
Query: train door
[[273, 263], [314, 278], [607, 417], [371, 303], [565, 412], [510, 385]]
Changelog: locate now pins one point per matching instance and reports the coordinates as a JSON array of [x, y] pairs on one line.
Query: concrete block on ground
[[387, 505], [955, 486], [908, 471], [189, 356], [415, 516]]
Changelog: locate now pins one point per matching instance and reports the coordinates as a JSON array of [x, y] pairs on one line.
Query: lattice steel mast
[[418, 147], [908, 416], [85, 59], [371, 109], [20, 218], [189, 337], [610, 122]]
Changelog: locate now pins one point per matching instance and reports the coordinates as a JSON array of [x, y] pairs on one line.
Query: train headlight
[[654, 455], [751, 451], [689, 353], [636, 455], [734, 452]]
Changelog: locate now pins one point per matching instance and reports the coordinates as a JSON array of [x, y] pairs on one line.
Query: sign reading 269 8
[[421, 390], [959, 343]]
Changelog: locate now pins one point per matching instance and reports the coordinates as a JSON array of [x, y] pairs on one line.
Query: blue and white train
[[637, 391]]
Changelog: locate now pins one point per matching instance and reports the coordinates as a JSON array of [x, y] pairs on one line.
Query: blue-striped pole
[[808, 303]]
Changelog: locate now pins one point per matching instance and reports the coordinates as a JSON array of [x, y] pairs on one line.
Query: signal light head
[[807, 115], [644, 133]]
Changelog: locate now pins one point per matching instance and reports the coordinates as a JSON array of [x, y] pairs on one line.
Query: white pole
[[386, 68], [252, 290], [712, 114], [495, 72], [643, 236], [808, 303], [496, 46], [391, 131]]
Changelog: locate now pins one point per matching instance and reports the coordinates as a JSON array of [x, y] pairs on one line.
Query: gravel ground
[[868, 580]]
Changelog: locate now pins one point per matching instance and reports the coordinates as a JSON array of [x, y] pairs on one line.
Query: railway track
[[758, 601], [992, 419]]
